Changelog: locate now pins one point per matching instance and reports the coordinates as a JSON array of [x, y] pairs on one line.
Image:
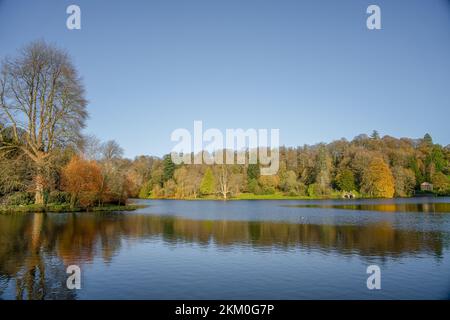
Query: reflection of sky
[[156, 270], [293, 211]]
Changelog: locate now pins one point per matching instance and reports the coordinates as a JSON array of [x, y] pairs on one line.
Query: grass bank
[[282, 196], [252, 196], [279, 196], [33, 208]]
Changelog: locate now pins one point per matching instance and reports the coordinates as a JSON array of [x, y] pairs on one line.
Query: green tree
[[375, 135], [208, 184], [145, 190], [253, 172], [168, 168], [345, 180], [253, 186], [437, 158], [427, 138], [414, 166]]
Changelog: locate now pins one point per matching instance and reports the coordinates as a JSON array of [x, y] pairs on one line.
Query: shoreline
[[284, 197], [51, 208], [32, 208]]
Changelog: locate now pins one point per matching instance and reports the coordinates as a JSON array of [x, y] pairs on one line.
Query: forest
[[45, 159], [368, 166]]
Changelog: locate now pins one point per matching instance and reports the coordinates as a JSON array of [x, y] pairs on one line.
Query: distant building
[[426, 186]]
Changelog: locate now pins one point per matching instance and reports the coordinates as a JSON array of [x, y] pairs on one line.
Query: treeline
[[367, 166], [95, 174]]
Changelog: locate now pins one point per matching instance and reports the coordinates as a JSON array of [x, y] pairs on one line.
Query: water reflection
[[35, 248], [384, 207]]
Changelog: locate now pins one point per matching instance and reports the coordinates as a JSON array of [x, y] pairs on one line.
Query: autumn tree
[[138, 173], [269, 184], [441, 183], [181, 179], [405, 181], [42, 102], [377, 180], [118, 187], [83, 180], [290, 184], [322, 171]]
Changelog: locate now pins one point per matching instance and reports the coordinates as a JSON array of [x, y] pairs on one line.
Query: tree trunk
[[39, 179], [39, 189], [223, 181]]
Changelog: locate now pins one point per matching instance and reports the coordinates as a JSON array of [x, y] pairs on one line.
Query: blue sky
[[310, 68]]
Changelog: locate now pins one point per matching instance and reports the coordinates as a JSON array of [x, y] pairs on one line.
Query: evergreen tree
[[168, 168], [253, 172], [345, 180], [427, 138], [375, 135], [207, 186]]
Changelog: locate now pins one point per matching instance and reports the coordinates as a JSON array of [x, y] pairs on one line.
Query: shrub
[[314, 190], [253, 186], [83, 180], [19, 199], [58, 197], [268, 190]]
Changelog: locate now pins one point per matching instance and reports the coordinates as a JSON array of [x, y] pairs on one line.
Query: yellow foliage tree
[[377, 180]]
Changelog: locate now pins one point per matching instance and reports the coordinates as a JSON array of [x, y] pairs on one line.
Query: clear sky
[[310, 68]]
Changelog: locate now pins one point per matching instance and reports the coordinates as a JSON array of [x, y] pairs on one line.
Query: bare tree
[[92, 148], [111, 150], [42, 103], [223, 173]]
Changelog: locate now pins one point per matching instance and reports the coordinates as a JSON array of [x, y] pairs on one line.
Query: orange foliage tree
[[83, 180], [377, 180]]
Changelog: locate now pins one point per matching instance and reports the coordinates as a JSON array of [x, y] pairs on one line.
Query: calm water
[[232, 250]]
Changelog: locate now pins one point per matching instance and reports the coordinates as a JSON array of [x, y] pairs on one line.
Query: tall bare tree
[[223, 173], [42, 105]]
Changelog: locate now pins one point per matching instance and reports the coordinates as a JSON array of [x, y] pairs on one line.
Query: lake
[[271, 249]]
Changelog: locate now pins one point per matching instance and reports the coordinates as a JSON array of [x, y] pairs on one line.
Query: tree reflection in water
[[35, 249], [438, 207]]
